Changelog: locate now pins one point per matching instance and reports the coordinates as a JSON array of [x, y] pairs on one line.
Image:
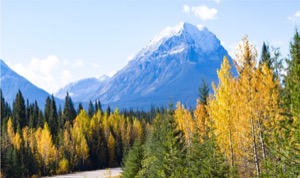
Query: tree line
[[249, 127], [49, 142]]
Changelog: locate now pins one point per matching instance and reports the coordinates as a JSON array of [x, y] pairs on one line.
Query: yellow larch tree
[[45, 147], [201, 118], [14, 138], [257, 108], [111, 144], [222, 111], [80, 144], [185, 122], [138, 132]]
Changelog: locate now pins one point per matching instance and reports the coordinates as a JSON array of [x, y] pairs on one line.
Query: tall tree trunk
[[261, 139], [254, 148]]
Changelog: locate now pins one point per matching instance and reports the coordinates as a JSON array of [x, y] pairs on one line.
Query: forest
[[248, 127]]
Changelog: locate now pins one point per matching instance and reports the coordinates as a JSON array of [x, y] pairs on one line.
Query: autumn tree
[[222, 110], [46, 149], [185, 122]]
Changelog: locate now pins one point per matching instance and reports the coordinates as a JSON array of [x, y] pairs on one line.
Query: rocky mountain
[[11, 83], [83, 90], [170, 68]]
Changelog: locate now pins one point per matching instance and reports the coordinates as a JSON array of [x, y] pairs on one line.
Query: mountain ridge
[[11, 82], [170, 67]]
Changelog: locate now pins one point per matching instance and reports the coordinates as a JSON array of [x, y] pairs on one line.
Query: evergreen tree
[[266, 56], [292, 84], [91, 109], [35, 114], [69, 113], [98, 106], [80, 107], [165, 151], [5, 111], [277, 64], [53, 119], [47, 109], [133, 161], [50, 114], [288, 135], [205, 159], [203, 92], [19, 112], [108, 110]]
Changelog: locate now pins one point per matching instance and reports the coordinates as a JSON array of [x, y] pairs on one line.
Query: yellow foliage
[[10, 130], [222, 110], [201, 118], [244, 111], [185, 122], [45, 146], [80, 144], [14, 138], [63, 166], [17, 141], [111, 143], [137, 129]]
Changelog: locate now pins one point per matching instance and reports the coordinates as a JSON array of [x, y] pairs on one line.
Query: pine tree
[[91, 110], [80, 107], [266, 56], [53, 118], [288, 135], [133, 161], [165, 151], [203, 92], [205, 158], [69, 113], [5, 111], [19, 112], [292, 84], [47, 109]]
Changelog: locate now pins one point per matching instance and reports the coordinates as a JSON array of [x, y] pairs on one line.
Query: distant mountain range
[[11, 83], [170, 68]]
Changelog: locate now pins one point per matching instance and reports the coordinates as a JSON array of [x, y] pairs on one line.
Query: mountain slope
[[170, 68], [83, 90], [11, 83]]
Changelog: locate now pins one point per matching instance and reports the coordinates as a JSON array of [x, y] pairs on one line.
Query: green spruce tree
[[69, 113], [133, 161]]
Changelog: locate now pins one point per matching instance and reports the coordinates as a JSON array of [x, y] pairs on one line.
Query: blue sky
[[54, 42]]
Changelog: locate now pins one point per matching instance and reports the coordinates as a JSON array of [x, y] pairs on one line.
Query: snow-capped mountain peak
[[175, 31], [178, 38], [170, 67], [103, 78]]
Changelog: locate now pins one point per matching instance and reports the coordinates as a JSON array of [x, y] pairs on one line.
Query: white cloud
[[186, 9], [50, 73], [295, 18], [203, 12], [78, 63], [217, 1]]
